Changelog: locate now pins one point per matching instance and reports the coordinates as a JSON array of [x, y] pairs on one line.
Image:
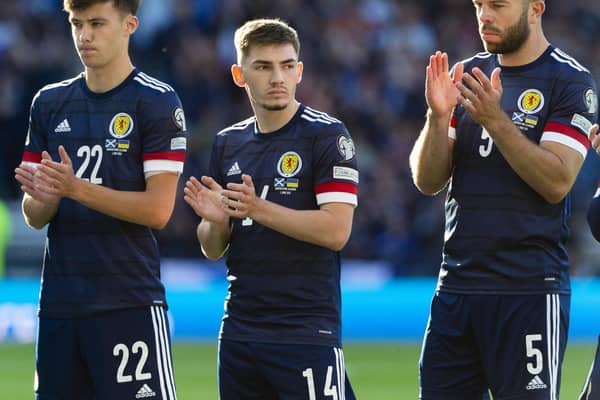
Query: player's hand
[[26, 176], [57, 178], [205, 199], [481, 96], [595, 138], [240, 199], [440, 87]]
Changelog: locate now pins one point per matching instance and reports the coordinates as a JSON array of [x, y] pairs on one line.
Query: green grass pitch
[[381, 371]]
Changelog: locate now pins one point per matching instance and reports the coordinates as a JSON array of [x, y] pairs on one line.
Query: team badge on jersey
[[531, 101], [179, 119], [289, 164], [346, 147], [591, 101], [121, 125]]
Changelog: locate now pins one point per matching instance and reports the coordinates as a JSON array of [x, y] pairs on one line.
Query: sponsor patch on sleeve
[[178, 143], [581, 122], [349, 174]]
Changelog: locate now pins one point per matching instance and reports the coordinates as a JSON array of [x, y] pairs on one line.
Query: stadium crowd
[[364, 63]]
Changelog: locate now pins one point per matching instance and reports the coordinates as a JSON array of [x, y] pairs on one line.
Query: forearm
[[37, 214], [152, 207], [329, 226], [545, 170], [431, 158], [213, 238]]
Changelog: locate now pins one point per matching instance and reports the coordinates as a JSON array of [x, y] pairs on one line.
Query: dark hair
[[264, 32], [126, 6]]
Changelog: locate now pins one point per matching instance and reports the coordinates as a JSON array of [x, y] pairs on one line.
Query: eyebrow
[[92, 19], [265, 62]]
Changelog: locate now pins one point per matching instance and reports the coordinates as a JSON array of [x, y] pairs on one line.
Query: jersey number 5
[[87, 153]]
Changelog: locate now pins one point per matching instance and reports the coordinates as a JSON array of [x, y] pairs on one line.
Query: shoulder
[[154, 92], [478, 59], [567, 67], [320, 122], [58, 89], [151, 85], [237, 128]]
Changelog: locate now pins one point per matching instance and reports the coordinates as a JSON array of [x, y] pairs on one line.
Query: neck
[[270, 121], [531, 50], [103, 79]]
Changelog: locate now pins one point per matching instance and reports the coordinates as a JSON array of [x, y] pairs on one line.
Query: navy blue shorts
[[266, 371], [591, 389], [124, 354], [512, 345]]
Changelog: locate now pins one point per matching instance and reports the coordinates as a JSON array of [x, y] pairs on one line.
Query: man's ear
[[131, 23], [238, 75], [300, 69]]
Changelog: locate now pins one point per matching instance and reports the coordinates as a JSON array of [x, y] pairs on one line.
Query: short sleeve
[[163, 129], [35, 142], [214, 163], [573, 113], [336, 173]]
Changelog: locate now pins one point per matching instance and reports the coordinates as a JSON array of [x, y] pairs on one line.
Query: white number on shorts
[[537, 366], [328, 390], [140, 375]]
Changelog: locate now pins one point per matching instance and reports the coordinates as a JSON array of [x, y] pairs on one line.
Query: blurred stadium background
[[364, 63]]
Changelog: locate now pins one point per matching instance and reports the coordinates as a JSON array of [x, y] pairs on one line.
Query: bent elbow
[[35, 224], [428, 188], [556, 195], [338, 241], [159, 221]]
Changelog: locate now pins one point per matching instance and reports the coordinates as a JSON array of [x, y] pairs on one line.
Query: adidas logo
[[234, 170], [536, 383], [145, 392], [63, 127]]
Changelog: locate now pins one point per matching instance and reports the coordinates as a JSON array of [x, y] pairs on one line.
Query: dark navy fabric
[[512, 345], [94, 262], [124, 354], [502, 236], [266, 371], [283, 290]]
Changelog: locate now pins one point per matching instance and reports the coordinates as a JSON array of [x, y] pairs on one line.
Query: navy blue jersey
[[94, 262], [283, 290], [502, 236]]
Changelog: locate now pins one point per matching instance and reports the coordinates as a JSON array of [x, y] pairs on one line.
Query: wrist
[[435, 116]]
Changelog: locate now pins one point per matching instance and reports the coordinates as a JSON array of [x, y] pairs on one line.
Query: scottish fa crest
[[121, 125]]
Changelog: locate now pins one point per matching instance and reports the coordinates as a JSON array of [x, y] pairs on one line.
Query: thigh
[[61, 373], [450, 366], [304, 372], [129, 354], [239, 375], [522, 341], [591, 388]]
